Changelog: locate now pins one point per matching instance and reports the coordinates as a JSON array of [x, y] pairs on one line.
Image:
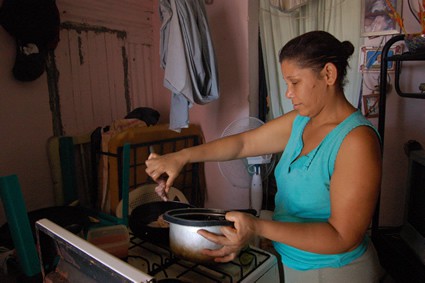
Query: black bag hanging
[[35, 25]]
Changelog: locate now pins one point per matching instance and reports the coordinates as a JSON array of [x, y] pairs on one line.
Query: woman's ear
[[330, 73]]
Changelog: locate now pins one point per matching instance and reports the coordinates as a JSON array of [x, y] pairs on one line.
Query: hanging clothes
[[187, 56]]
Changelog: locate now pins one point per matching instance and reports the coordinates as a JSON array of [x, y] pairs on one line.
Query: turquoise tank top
[[303, 190]]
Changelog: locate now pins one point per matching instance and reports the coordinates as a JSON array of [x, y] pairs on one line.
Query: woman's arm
[[269, 138]]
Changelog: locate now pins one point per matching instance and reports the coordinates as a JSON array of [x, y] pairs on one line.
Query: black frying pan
[[143, 215]]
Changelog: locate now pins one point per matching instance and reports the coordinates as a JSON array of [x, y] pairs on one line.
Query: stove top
[[159, 262], [65, 255]]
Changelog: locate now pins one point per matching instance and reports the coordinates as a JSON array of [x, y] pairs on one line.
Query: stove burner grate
[[159, 262]]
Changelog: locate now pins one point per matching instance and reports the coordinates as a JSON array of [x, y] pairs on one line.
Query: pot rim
[[137, 215], [184, 216]]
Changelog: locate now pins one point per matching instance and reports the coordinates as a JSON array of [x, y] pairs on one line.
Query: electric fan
[[249, 172]]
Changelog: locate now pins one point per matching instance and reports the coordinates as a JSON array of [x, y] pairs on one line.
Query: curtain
[[339, 17]]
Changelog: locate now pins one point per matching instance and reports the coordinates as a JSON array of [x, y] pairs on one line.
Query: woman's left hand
[[234, 239]]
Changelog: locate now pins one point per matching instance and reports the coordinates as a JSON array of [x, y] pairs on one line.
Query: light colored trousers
[[365, 269]]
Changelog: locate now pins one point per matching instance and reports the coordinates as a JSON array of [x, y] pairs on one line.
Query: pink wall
[[404, 121], [235, 41], [25, 116], [234, 64], [25, 124]]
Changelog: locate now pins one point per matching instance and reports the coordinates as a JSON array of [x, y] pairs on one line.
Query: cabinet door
[[91, 82], [102, 67]]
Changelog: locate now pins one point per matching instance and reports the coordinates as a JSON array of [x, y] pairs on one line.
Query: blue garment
[[187, 57], [303, 190]]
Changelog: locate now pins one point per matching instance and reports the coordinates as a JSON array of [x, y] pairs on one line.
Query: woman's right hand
[[164, 169]]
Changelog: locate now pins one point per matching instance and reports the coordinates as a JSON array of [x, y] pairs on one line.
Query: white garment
[[187, 55], [277, 28]]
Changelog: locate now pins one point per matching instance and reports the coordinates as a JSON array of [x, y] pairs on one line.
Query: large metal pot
[[142, 216], [185, 242]]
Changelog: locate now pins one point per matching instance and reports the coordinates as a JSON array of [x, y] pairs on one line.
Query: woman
[[328, 177]]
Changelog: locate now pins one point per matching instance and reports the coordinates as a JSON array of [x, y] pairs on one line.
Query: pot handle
[[248, 210]]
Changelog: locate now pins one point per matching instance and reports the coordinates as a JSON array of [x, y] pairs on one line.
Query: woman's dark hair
[[317, 48]]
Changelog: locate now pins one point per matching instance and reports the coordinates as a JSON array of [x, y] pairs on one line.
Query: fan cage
[[239, 172]]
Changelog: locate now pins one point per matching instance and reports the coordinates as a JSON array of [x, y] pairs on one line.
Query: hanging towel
[[187, 56]]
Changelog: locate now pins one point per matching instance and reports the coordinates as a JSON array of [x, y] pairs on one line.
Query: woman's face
[[305, 88]]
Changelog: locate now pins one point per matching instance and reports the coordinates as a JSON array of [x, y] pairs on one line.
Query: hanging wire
[[413, 11]]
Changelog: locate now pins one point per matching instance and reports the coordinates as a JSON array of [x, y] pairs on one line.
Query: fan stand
[[237, 172], [256, 190]]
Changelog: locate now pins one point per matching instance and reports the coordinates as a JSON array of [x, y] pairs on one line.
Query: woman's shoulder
[[362, 134], [362, 128], [288, 117], [281, 127], [358, 138], [362, 140], [291, 116]]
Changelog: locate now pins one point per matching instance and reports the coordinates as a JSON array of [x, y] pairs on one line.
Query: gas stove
[[254, 265], [66, 256]]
